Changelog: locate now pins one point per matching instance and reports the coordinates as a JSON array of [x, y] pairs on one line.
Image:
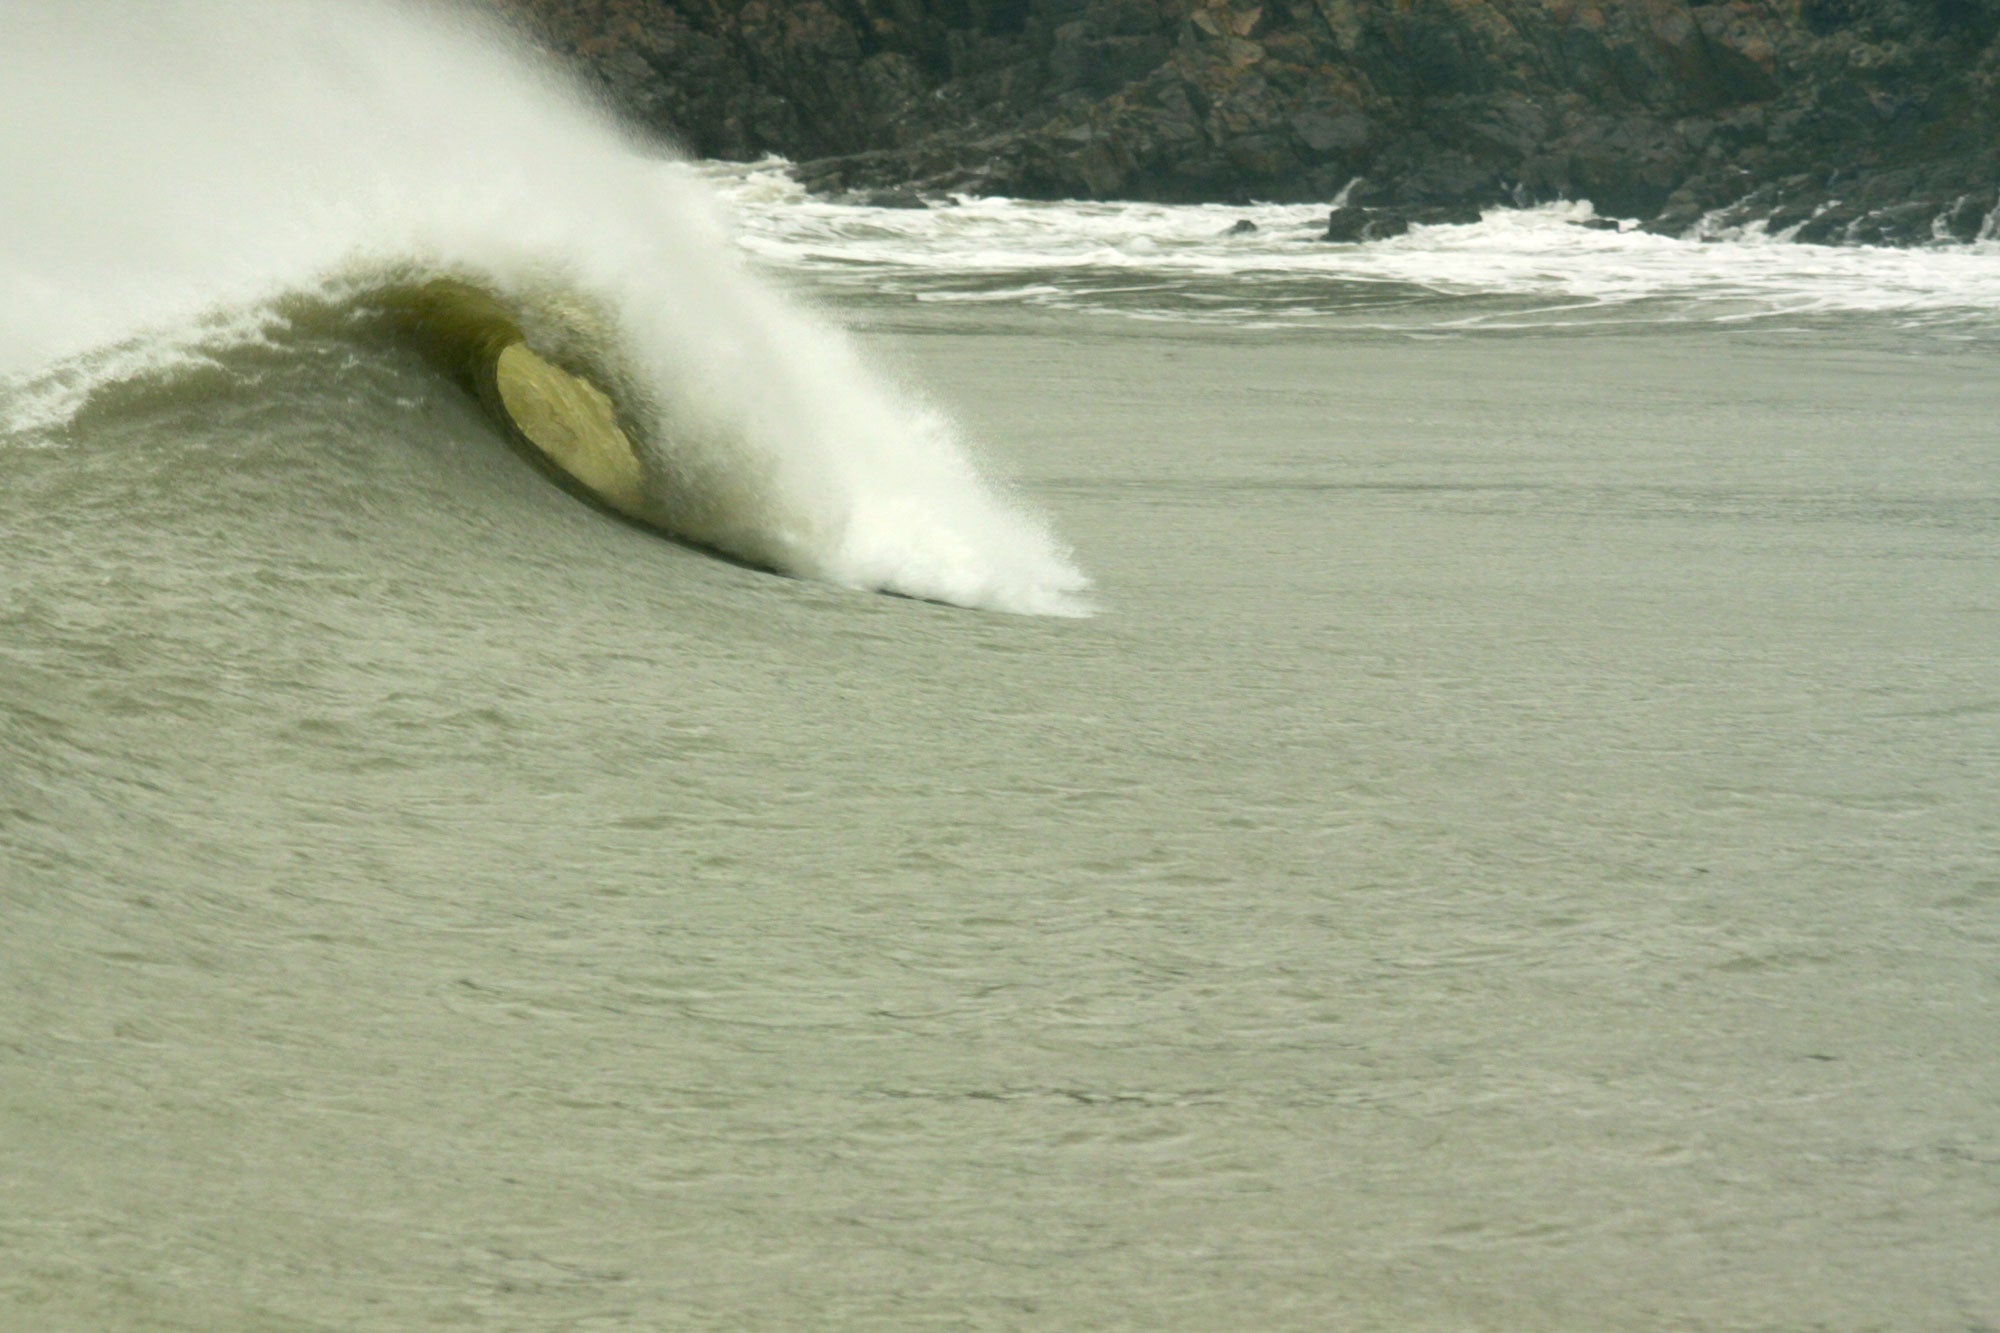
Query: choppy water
[[1518, 845]]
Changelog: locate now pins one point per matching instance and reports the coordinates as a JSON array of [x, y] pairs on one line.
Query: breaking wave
[[193, 177]]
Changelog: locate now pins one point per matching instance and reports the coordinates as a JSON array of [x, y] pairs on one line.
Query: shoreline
[[1872, 122]]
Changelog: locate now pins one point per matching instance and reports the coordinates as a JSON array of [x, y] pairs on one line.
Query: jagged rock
[[1666, 111], [1905, 224], [1966, 216], [1346, 224], [1829, 225], [1351, 223]]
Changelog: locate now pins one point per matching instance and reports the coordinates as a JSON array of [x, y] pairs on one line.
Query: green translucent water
[[1520, 847]]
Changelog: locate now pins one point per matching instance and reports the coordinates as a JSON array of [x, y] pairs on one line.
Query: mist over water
[[176, 175]]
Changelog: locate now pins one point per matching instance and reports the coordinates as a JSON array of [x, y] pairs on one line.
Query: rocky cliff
[[1854, 120]]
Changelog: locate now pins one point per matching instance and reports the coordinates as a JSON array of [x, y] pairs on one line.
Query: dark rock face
[[1351, 222], [1348, 223], [1871, 121]]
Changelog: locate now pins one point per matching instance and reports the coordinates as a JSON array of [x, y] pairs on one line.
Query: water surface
[[1518, 844], [1518, 847]]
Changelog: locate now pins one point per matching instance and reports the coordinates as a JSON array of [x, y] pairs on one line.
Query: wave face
[[183, 179]]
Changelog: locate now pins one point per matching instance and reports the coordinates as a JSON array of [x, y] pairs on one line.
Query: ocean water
[[1446, 784]]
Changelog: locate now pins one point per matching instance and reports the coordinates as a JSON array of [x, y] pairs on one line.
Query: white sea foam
[[171, 168], [1528, 266]]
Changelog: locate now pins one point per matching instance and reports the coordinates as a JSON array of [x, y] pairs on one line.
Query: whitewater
[[1517, 845], [1264, 267], [175, 176]]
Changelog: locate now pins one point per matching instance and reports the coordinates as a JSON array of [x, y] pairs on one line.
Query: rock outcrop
[[1833, 120]]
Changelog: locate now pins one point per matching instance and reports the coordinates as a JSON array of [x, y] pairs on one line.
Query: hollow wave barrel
[[568, 425]]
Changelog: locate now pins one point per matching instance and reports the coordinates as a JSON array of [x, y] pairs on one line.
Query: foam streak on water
[[173, 170]]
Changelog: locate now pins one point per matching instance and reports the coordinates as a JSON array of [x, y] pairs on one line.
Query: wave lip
[[215, 156]]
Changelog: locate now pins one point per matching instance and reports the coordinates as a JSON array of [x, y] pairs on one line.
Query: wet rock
[[1670, 111], [1353, 224], [1786, 217], [892, 199], [1242, 227], [1829, 224], [1674, 220], [1445, 215], [1963, 220], [1904, 224], [1346, 224], [1689, 206]]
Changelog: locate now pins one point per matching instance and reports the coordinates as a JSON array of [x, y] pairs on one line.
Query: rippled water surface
[[1516, 846]]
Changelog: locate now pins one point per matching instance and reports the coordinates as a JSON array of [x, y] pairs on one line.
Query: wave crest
[[263, 153]]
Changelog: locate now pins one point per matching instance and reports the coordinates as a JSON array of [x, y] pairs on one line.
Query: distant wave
[[195, 174]]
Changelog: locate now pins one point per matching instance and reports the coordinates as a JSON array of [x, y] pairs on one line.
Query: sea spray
[[178, 173]]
